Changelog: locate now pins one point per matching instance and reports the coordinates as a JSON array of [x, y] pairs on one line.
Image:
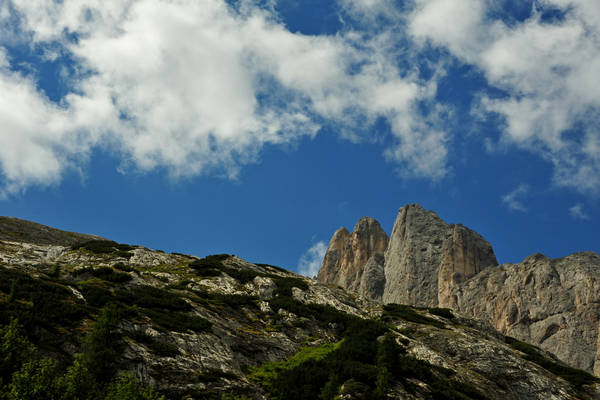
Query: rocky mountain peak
[[407, 268], [552, 303], [349, 253]]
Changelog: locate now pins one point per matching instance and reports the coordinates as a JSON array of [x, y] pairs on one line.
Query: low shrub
[[151, 297], [285, 285], [213, 375], [407, 313], [123, 267], [157, 347], [442, 312], [109, 274], [177, 321], [96, 296], [104, 247]]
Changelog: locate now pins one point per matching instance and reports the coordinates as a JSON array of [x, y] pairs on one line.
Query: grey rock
[[552, 303]]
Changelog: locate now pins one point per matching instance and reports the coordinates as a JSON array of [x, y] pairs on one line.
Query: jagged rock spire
[[352, 255]]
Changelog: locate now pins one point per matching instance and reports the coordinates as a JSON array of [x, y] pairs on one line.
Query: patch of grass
[[574, 376], [266, 373], [407, 313]]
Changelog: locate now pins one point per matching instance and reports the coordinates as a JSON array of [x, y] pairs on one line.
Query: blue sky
[[259, 128]]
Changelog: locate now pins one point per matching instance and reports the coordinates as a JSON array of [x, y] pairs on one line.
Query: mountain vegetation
[[102, 320]]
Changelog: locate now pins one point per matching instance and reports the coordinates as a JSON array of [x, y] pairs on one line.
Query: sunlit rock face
[[552, 303], [355, 260]]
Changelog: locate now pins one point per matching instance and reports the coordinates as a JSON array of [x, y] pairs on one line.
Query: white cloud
[[199, 87], [311, 261], [548, 71], [514, 199], [577, 212]]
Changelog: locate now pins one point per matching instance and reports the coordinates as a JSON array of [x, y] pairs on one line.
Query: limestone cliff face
[[426, 256], [464, 254], [413, 257], [552, 303], [350, 256]]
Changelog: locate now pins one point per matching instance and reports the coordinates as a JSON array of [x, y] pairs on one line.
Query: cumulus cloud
[[578, 212], [311, 261], [547, 69], [201, 87], [514, 199]]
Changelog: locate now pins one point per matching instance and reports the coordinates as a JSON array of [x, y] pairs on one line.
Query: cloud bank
[[197, 87]]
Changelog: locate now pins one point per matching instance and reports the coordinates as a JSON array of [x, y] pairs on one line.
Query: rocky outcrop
[[422, 250], [211, 328], [426, 255], [350, 256], [464, 254], [552, 303]]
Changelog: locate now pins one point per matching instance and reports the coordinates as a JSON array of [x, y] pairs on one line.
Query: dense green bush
[[37, 302], [23, 375], [176, 321], [408, 313], [123, 267], [442, 312], [213, 375], [127, 387], [106, 247], [285, 285], [96, 296], [151, 297], [109, 274]]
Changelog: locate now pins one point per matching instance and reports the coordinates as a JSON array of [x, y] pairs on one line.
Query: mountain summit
[[554, 304]]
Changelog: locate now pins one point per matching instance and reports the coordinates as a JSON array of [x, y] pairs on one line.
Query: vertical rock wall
[[355, 260]]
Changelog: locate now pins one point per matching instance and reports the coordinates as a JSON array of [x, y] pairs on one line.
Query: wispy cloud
[[547, 70], [200, 87], [577, 212], [311, 261], [514, 199]]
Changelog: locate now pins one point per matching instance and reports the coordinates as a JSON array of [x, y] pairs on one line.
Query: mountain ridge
[[219, 327], [431, 263]]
